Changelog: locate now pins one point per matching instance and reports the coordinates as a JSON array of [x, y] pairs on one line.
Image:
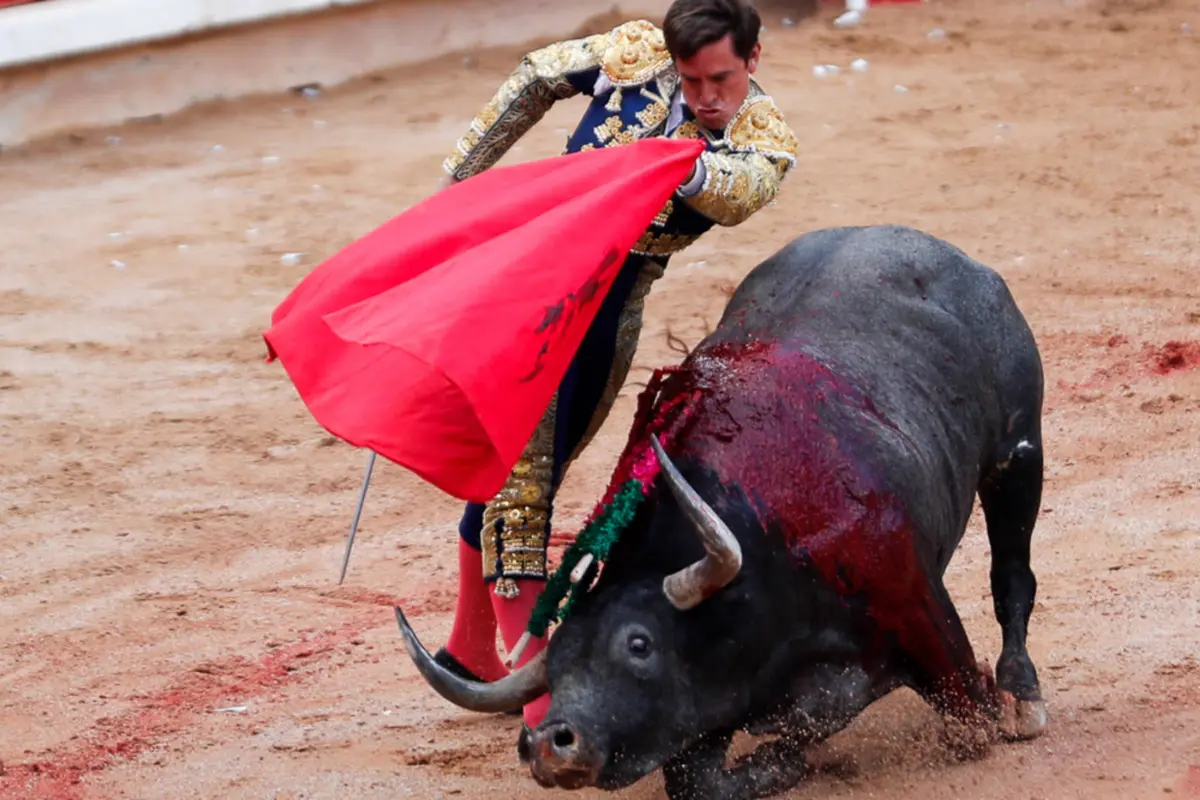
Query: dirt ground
[[172, 518]]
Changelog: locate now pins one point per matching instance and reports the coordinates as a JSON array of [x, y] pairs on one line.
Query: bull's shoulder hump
[[875, 270], [895, 251]]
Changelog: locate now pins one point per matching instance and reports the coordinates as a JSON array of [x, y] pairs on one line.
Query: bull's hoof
[[989, 677], [1021, 720], [771, 769]]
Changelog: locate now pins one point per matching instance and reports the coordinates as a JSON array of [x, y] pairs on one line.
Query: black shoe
[[524, 744], [453, 665]]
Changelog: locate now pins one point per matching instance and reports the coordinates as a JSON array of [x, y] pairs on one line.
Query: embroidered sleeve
[[543, 77], [746, 172]]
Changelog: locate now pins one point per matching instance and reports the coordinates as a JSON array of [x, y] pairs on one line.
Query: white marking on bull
[[1022, 446]]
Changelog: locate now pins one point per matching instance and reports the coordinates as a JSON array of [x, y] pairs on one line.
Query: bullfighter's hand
[[694, 182]]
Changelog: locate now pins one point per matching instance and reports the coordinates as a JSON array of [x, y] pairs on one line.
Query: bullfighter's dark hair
[[691, 25]]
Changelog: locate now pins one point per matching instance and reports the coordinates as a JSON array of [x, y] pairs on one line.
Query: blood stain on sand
[[1125, 363], [155, 717], [1173, 356]]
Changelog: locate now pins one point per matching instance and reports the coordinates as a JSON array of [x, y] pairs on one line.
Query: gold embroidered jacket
[[633, 82]]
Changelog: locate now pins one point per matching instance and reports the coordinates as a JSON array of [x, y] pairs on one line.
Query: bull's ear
[[723, 554]]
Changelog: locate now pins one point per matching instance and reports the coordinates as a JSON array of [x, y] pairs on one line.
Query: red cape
[[439, 339]]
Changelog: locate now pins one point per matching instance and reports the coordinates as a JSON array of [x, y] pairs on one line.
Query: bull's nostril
[[564, 739]]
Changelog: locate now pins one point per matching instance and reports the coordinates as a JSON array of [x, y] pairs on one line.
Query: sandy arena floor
[[173, 519]]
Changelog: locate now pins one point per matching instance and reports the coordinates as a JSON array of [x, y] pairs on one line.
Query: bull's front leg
[[772, 768], [823, 699], [946, 674], [699, 774]]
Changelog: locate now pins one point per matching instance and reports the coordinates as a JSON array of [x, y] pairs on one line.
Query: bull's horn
[[723, 560], [507, 694]]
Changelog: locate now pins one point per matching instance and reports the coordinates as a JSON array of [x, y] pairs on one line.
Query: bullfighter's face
[[716, 81]]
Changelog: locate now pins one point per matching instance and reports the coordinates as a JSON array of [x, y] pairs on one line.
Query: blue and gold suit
[[634, 86]]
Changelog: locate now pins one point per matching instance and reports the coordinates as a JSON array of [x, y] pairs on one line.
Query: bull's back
[[878, 283], [931, 337]]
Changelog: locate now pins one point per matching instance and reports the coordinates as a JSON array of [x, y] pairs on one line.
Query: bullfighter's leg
[[582, 401], [470, 652], [1011, 494], [512, 530], [600, 368], [828, 696]]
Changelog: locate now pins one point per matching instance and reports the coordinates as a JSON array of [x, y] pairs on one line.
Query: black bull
[[786, 570]]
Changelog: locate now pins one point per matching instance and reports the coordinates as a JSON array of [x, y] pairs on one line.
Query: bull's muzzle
[[561, 757]]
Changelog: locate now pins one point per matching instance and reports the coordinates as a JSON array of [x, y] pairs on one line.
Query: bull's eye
[[639, 646]]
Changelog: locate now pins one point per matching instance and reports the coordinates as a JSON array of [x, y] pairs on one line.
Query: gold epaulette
[[636, 53], [759, 127]]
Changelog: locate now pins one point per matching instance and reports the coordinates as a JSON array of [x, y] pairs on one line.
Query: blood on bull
[[809, 471]]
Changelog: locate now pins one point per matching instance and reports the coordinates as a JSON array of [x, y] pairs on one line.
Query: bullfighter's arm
[[543, 77], [732, 183]]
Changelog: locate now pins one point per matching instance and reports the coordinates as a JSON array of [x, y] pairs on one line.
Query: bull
[[820, 453]]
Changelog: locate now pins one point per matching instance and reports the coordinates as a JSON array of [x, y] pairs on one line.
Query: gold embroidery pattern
[[687, 130], [567, 58], [613, 129], [636, 52], [538, 82], [759, 127], [736, 185], [629, 329], [664, 215], [652, 115], [668, 82], [746, 174], [662, 244], [516, 521]]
